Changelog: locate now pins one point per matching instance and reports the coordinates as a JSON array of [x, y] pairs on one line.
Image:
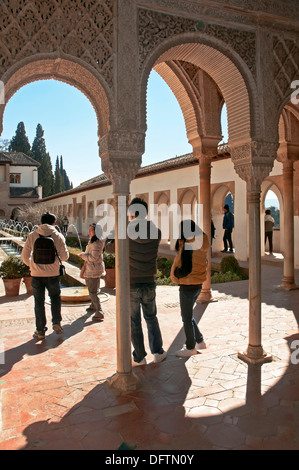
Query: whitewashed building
[[18, 182]]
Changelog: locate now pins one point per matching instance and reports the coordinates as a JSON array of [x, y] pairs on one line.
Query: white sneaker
[[186, 352], [201, 345], [160, 357], [141, 363]]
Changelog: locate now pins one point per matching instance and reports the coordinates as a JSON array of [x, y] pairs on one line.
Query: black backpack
[[44, 250]]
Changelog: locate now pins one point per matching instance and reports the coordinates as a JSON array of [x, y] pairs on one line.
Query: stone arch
[[188, 198], [67, 71], [219, 193], [228, 71], [266, 186]]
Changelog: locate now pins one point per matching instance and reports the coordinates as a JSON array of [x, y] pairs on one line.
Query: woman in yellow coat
[[189, 271]]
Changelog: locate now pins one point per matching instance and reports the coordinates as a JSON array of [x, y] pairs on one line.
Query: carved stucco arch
[[65, 70], [228, 71]]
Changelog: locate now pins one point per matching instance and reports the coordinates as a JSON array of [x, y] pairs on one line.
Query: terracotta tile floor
[[54, 394]]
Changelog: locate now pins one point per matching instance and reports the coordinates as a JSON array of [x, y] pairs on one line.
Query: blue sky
[[70, 126]]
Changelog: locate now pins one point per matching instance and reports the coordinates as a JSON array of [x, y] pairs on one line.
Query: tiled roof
[[17, 159], [169, 164], [22, 192]]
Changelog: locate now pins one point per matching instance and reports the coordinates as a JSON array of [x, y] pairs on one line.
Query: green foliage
[[73, 242], [109, 260], [12, 268], [20, 142], [230, 264], [229, 276], [229, 271], [163, 272]]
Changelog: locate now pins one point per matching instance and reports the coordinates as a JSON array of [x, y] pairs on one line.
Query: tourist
[[92, 271], [269, 224], [189, 271], [65, 224], [144, 239], [228, 225], [45, 267]]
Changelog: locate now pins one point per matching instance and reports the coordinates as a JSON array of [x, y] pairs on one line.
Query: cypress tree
[[20, 142], [40, 154], [58, 182]]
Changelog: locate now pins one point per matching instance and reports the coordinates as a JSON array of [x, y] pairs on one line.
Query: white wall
[[28, 176]]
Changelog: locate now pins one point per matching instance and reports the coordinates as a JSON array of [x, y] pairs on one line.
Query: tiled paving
[[54, 393]]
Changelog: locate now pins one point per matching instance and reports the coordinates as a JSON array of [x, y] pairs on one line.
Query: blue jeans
[[39, 285], [187, 300], [144, 295]]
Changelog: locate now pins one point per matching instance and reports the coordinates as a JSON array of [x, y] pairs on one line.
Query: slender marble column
[[205, 201], [288, 282], [255, 353]]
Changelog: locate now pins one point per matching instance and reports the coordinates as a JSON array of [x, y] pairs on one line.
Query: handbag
[[62, 271]]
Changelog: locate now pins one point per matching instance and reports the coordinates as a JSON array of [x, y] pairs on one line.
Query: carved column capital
[[253, 161], [121, 153]]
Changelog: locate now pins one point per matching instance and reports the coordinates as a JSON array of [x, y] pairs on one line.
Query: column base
[[288, 284], [124, 382], [255, 355], [205, 297]]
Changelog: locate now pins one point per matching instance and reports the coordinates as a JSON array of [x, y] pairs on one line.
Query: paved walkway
[[54, 394]]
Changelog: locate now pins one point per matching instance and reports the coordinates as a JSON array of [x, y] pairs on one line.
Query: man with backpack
[[43, 252]]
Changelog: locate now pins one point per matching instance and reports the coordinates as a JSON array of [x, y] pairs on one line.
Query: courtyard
[[54, 394]]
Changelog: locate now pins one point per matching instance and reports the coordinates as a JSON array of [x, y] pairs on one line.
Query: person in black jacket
[[228, 225], [144, 239]]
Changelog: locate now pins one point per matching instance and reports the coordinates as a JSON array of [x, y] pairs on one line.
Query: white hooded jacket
[[45, 270]]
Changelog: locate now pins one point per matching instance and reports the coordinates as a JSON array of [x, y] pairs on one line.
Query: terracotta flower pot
[[110, 277], [27, 282], [12, 287]]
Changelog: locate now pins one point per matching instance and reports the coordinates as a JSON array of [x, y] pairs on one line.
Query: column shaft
[[288, 282], [205, 201]]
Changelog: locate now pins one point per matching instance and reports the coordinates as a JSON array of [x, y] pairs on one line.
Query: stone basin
[[75, 294]]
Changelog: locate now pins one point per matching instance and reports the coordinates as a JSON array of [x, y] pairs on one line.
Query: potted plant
[[26, 275], [11, 271], [109, 260]]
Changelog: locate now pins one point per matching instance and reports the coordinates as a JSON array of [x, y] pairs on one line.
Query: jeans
[[269, 235], [187, 300], [144, 295], [227, 239], [93, 285], [39, 285]]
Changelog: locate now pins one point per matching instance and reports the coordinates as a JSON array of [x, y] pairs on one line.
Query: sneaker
[[223, 251], [57, 328], [160, 357], [201, 345], [141, 363], [98, 317], [39, 334], [186, 352], [231, 251]]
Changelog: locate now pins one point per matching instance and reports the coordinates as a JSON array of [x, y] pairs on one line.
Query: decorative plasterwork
[[286, 64], [121, 153], [154, 27], [286, 8], [76, 28], [253, 161]]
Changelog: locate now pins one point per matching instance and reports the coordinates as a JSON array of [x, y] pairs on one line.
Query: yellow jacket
[[190, 264]]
